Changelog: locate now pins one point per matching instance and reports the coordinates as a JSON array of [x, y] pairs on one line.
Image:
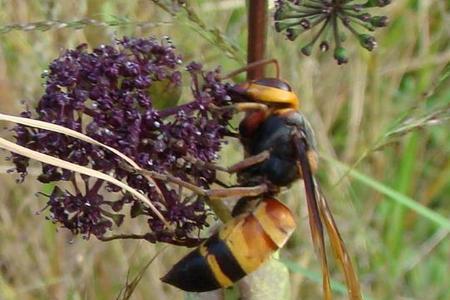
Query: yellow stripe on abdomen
[[248, 242], [211, 259], [276, 219]]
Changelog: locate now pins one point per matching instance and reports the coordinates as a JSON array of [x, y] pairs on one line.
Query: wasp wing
[[315, 222], [338, 246]]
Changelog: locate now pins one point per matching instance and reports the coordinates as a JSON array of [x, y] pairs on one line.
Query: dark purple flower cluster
[[298, 16], [108, 94]]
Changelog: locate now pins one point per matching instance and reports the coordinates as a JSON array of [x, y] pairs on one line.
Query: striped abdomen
[[239, 248]]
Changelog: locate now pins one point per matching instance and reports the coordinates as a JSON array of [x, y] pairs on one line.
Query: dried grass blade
[[9, 146], [78, 135]]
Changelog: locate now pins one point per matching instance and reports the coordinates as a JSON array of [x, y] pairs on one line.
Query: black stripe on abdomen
[[225, 258]]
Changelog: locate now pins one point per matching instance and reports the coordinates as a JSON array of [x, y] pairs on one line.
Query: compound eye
[[275, 83]]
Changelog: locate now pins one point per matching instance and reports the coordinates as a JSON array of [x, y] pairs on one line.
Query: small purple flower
[[107, 94]]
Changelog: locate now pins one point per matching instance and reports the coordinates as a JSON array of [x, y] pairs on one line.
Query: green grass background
[[385, 114]]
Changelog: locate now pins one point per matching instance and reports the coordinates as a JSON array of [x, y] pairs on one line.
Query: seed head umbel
[[325, 19]]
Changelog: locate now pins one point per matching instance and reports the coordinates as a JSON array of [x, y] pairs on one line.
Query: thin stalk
[[257, 35]]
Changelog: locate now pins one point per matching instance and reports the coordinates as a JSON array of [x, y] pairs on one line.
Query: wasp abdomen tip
[[192, 274]]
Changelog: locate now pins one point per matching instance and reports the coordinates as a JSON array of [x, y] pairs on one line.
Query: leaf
[[393, 194]]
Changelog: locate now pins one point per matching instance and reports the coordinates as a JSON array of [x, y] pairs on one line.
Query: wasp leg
[[250, 191], [243, 164], [248, 162], [214, 198], [254, 65], [150, 237]]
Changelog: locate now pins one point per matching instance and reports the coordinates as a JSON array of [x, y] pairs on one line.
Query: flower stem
[[257, 35]]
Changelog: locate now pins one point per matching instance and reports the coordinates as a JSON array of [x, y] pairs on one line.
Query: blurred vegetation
[[385, 114]]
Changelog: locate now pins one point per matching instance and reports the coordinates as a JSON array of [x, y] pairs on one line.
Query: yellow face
[[270, 95]]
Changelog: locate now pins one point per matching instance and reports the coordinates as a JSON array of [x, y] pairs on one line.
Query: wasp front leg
[[237, 167], [248, 191]]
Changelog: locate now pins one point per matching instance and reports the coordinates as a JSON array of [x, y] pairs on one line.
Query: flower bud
[[280, 26], [282, 12], [307, 49], [293, 32], [324, 46], [340, 54], [379, 21], [367, 41], [376, 3]]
